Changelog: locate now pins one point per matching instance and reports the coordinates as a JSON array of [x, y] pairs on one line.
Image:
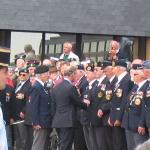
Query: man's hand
[[141, 130], [100, 113], [87, 102], [109, 122], [12, 121], [117, 123], [37, 127], [21, 115]]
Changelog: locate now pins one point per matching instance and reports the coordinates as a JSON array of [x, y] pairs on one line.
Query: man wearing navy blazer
[[41, 110], [65, 101], [119, 94]]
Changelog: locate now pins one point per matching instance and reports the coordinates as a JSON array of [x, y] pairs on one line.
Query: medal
[[103, 86], [100, 94], [137, 101], [108, 95], [119, 93]]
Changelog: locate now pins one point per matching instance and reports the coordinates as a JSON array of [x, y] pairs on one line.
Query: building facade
[[114, 18]]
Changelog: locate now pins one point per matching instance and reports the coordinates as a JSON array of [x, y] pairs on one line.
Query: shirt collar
[[111, 79], [91, 82], [100, 80], [121, 76], [41, 82], [67, 80], [141, 84]]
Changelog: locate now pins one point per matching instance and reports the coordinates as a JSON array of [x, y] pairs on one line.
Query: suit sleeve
[[142, 116], [75, 98], [35, 102], [53, 103], [13, 105]]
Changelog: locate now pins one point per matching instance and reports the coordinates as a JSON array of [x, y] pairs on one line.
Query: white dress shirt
[[70, 56]]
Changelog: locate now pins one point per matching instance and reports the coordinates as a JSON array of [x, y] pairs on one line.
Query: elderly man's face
[[23, 76], [53, 75], [98, 72], [44, 76], [114, 46], [138, 76], [109, 71], [20, 63], [90, 75], [3, 77], [67, 48]]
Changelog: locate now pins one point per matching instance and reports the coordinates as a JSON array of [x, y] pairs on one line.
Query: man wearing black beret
[[22, 92], [41, 111], [120, 92]]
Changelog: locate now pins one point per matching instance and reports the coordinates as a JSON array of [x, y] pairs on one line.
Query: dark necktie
[[18, 87]]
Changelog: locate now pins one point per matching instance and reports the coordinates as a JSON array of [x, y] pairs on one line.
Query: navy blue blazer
[[96, 97], [134, 110], [119, 98], [65, 101], [21, 97], [147, 106], [40, 109], [7, 101]]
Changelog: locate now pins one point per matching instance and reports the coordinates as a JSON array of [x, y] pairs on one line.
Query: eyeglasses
[[22, 74]]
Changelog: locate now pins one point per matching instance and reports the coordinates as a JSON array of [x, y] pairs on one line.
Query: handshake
[[87, 102]]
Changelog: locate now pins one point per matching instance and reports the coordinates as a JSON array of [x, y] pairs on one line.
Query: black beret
[[23, 70], [137, 66], [32, 63], [21, 56], [41, 69], [81, 67], [107, 63], [146, 64], [121, 63], [99, 64], [4, 57]]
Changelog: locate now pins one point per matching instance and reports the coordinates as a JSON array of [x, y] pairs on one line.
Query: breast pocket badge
[[108, 95], [103, 86], [100, 94], [20, 96], [8, 95], [119, 93], [148, 93]]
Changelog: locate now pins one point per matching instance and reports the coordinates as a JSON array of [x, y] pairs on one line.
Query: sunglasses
[[22, 74]]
